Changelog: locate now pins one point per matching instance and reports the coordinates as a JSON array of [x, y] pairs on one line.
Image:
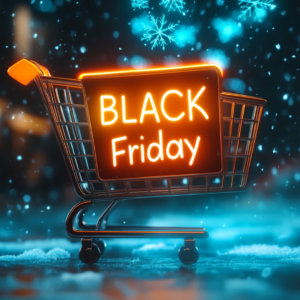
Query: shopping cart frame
[[92, 248]]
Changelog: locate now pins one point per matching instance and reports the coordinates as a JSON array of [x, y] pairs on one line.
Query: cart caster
[[89, 253], [188, 253], [100, 243]]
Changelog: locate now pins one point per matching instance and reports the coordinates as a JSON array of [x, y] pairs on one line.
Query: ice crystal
[[254, 7], [173, 4], [139, 4], [157, 34]]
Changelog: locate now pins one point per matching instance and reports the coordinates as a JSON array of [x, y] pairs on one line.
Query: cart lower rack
[[104, 128]]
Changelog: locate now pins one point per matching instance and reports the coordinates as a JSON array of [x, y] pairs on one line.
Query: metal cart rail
[[66, 103]]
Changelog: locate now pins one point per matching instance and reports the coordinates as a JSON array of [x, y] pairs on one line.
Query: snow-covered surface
[[37, 255], [150, 270], [266, 251], [272, 254], [162, 250], [45, 245]]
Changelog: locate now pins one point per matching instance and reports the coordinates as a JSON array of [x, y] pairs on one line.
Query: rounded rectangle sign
[[156, 123]]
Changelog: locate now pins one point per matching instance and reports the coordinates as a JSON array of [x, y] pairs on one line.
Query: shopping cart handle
[[25, 71]]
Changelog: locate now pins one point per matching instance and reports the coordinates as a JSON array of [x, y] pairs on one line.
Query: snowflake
[[156, 34], [173, 4], [139, 4], [257, 6]]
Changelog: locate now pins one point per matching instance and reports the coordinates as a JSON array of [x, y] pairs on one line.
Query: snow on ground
[[45, 245], [285, 254], [37, 255], [54, 249], [265, 251]]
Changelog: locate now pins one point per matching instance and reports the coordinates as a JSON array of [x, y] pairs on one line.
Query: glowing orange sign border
[[126, 73], [91, 74]]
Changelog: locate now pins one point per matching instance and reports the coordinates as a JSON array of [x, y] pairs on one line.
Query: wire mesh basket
[[67, 106]]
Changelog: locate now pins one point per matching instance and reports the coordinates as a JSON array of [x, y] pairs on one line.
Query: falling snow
[[157, 34]]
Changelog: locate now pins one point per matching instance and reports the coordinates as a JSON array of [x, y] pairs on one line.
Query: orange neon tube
[[83, 75]]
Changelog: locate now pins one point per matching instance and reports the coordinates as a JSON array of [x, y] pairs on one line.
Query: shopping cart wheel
[[188, 253], [89, 252], [100, 243]]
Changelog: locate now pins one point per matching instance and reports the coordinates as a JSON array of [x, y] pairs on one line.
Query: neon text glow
[[148, 101], [160, 148], [156, 123], [104, 109]]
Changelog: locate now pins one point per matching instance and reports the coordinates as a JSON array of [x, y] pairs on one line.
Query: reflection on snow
[[84, 280], [153, 247]]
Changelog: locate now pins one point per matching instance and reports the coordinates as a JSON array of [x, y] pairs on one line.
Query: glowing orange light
[[157, 119], [84, 75], [159, 146], [163, 105], [24, 122], [152, 148], [115, 153], [149, 112], [131, 149], [23, 71], [160, 154], [193, 150], [148, 98], [110, 108], [192, 103], [180, 149], [124, 113], [142, 153]]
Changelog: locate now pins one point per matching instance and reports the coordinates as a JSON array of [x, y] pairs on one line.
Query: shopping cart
[[67, 104]]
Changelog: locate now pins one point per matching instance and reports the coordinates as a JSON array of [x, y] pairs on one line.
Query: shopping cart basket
[[68, 104]]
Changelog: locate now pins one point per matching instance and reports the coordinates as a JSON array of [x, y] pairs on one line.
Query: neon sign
[[155, 124]]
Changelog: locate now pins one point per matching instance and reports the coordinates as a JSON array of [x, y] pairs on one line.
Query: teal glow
[[215, 56], [139, 4], [234, 85], [228, 29], [185, 35], [139, 23]]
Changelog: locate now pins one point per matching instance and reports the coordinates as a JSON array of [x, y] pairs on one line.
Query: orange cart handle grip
[[25, 71]]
